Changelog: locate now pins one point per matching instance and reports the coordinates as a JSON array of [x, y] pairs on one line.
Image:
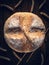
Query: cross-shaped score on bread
[[24, 32]]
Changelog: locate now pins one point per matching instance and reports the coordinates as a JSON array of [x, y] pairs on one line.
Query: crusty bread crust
[[25, 39]]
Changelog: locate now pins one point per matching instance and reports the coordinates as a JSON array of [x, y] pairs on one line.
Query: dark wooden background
[[25, 7]]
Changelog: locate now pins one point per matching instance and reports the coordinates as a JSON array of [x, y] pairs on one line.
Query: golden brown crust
[[24, 40]]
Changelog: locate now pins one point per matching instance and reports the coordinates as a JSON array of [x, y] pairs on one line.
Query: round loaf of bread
[[24, 32]]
